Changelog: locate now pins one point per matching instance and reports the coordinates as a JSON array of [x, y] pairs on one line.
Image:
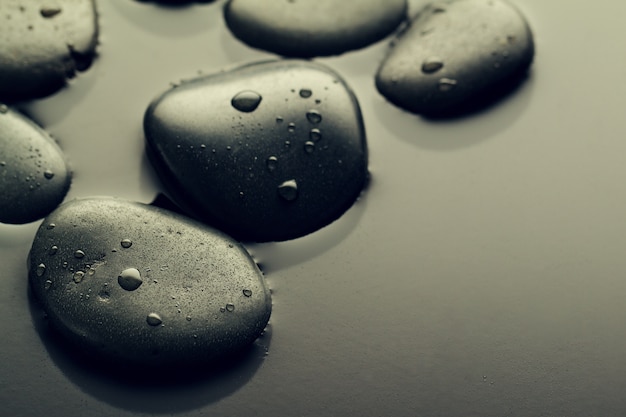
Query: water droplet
[[188, 318], [50, 226], [447, 84], [246, 101], [49, 12], [153, 319], [53, 250], [309, 146], [315, 135], [288, 190], [78, 276], [126, 243], [439, 8], [64, 264], [305, 93], [291, 127], [314, 116], [3, 108], [79, 254], [3, 163], [431, 65], [47, 284], [222, 309], [41, 269], [130, 279], [271, 163], [279, 119], [230, 307], [48, 174], [247, 293]]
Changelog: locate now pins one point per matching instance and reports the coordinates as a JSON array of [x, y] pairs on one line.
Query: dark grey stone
[[181, 294], [307, 28], [266, 152], [43, 44], [34, 177], [457, 56]]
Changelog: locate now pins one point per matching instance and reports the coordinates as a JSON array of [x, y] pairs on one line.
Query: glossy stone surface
[[34, 177], [44, 44], [307, 28], [266, 152], [180, 294], [456, 56]]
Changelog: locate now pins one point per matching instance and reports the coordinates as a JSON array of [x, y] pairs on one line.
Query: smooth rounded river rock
[[42, 44], [277, 166], [131, 306], [34, 177], [307, 28], [457, 56]]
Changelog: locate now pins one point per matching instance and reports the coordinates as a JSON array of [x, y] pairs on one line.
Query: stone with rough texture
[[266, 152], [307, 28], [457, 56], [34, 177], [141, 286], [42, 44]]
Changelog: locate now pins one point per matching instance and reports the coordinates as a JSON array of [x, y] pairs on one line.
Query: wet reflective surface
[[481, 274]]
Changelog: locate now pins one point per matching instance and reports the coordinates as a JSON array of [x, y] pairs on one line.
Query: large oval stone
[[42, 44], [456, 56], [266, 152], [142, 286], [34, 177], [307, 28]]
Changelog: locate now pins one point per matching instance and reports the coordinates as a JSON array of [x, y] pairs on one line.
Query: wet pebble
[[131, 306], [43, 44], [256, 157], [34, 177], [307, 28], [457, 56]]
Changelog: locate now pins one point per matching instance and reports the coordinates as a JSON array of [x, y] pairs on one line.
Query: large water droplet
[[271, 163], [153, 319], [288, 190], [230, 307], [431, 65], [78, 276], [79, 254], [53, 250], [48, 174], [315, 135], [314, 116], [305, 93], [247, 293], [246, 101], [41, 269], [309, 146], [447, 84], [126, 243], [130, 279], [47, 285], [49, 12]]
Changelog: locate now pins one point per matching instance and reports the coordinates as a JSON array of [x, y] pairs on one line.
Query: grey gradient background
[[483, 273]]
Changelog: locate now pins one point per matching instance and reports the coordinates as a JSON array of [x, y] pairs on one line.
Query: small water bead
[[305, 93], [78, 276], [126, 243], [53, 250], [130, 279], [79, 254], [288, 190], [188, 318], [246, 101], [50, 226], [279, 119], [153, 319], [314, 116], [230, 307], [247, 293], [49, 12], [447, 84], [309, 147], [271, 163], [48, 174], [432, 65], [41, 269], [291, 127], [315, 135]]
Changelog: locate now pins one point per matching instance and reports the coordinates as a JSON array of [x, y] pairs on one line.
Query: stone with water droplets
[[307, 28], [292, 165], [44, 44], [131, 305], [457, 56], [27, 155]]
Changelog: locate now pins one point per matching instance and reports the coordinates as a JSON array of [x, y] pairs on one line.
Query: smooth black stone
[[294, 164], [456, 57], [140, 286], [34, 177], [307, 28], [44, 44]]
